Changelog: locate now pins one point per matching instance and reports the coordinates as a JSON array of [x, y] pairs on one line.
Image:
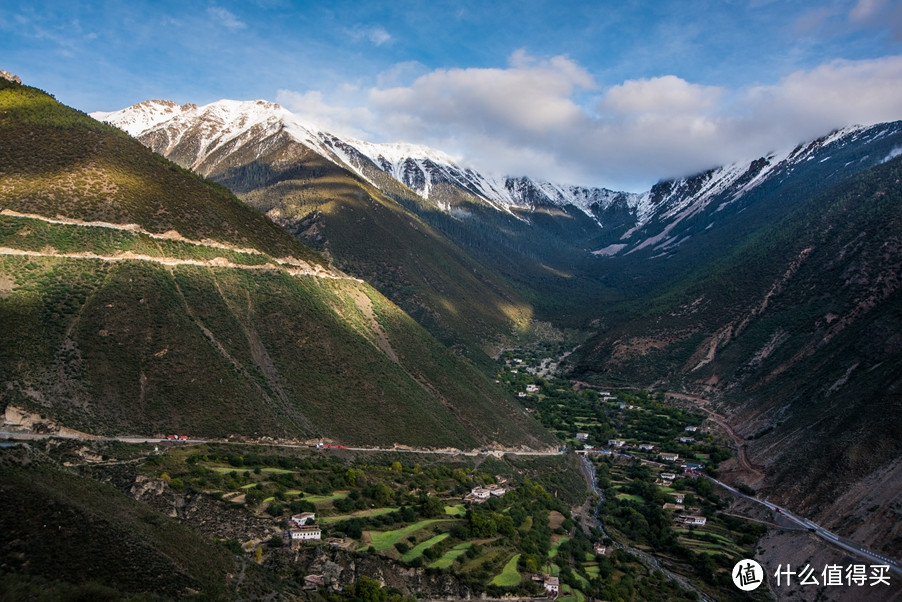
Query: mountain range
[[769, 286]]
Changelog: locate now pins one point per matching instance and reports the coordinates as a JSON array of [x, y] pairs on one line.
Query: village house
[[306, 532], [669, 457], [551, 584], [479, 494], [313, 582], [496, 490], [600, 549], [303, 518], [582, 436], [679, 497], [668, 476], [686, 440], [689, 519], [691, 429], [616, 442], [532, 388], [646, 447]]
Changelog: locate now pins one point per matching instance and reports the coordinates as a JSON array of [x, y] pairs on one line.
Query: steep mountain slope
[[296, 175], [797, 334], [138, 298]]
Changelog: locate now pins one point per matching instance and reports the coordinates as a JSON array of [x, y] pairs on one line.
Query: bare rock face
[[199, 510], [10, 77]]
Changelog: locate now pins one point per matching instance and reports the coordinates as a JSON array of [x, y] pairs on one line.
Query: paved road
[[138, 440], [846, 544]]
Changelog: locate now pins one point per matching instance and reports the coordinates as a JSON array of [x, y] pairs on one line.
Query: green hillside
[[370, 235], [138, 298]]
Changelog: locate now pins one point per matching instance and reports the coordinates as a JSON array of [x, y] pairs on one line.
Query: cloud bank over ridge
[[551, 118]]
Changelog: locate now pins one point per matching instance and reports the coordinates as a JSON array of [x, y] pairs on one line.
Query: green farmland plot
[[386, 539], [451, 555], [509, 576], [418, 550], [457, 510], [359, 514]]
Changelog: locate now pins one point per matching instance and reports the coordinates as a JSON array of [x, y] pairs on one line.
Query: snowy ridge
[[420, 168], [671, 202], [137, 119], [218, 129]]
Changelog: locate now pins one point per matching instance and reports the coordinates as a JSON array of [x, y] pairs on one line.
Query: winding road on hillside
[[738, 440], [846, 544], [293, 266], [747, 466]]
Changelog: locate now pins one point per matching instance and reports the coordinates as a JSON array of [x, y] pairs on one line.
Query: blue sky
[[617, 94]]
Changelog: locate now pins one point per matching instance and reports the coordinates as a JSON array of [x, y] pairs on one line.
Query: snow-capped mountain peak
[[203, 137]]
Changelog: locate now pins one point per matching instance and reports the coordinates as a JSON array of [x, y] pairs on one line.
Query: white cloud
[[523, 99], [375, 35], [531, 118], [667, 95], [315, 109], [225, 18], [878, 14]]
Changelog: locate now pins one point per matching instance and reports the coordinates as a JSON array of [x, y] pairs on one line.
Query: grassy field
[[361, 513], [553, 551], [457, 510], [418, 550], [451, 555], [326, 499], [386, 539], [509, 576]]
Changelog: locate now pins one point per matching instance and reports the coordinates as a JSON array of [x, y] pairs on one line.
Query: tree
[[367, 590], [433, 506], [382, 494]]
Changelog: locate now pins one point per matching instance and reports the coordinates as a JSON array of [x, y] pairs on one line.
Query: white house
[[691, 429], [668, 476], [305, 532], [669, 457], [686, 439], [532, 388], [698, 521], [552, 584], [616, 442], [481, 493], [582, 436], [303, 518]]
